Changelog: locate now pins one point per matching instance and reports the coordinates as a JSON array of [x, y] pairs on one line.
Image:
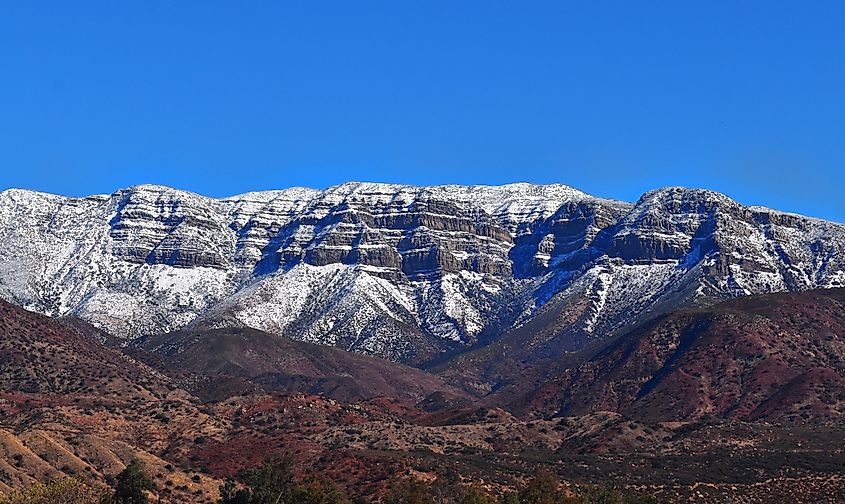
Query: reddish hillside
[[776, 357], [69, 406], [39, 355], [277, 363], [72, 407]]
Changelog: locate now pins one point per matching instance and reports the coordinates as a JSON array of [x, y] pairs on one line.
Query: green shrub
[[410, 491], [63, 491], [133, 485]]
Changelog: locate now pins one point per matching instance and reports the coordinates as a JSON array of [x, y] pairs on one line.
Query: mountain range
[[412, 274], [683, 344]]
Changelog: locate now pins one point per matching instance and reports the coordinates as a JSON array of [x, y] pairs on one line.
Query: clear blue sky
[[611, 97]]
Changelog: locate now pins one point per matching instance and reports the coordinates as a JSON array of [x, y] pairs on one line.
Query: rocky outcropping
[[403, 272]]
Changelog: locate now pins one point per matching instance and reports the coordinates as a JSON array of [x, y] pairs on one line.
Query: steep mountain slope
[[390, 270], [403, 272], [676, 248], [775, 357], [685, 247], [277, 363]]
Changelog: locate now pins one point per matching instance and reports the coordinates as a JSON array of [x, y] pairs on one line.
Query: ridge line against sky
[[319, 189], [221, 98]]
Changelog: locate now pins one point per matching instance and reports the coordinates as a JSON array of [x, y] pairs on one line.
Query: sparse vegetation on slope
[[63, 491]]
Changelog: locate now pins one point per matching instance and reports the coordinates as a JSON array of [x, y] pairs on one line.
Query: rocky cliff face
[[680, 246], [398, 271]]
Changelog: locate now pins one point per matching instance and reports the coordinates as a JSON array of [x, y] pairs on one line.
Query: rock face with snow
[[403, 272]]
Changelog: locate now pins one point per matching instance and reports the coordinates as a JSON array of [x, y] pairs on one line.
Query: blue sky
[[611, 97]]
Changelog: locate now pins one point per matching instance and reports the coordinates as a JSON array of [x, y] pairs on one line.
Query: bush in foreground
[[133, 485], [273, 483], [63, 491]]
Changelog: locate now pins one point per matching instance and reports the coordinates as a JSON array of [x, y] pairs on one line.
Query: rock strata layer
[[403, 272]]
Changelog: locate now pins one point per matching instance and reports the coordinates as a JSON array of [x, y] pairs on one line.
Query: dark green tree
[[509, 498], [410, 491], [475, 496], [603, 495], [272, 482], [133, 484], [231, 494], [319, 491], [544, 489]]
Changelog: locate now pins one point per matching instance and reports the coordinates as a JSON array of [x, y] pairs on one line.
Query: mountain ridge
[[772, 357], [400, 271]]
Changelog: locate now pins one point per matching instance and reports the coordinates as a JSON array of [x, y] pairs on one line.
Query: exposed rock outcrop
[[399, 271]]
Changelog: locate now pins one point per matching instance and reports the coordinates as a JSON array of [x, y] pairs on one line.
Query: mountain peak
[[681, 194]]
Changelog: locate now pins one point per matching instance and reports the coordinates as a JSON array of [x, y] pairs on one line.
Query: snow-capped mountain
[[398, 271]]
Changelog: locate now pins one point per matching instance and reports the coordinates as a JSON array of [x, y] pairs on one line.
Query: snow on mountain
[[688, 247], [397, 270]]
